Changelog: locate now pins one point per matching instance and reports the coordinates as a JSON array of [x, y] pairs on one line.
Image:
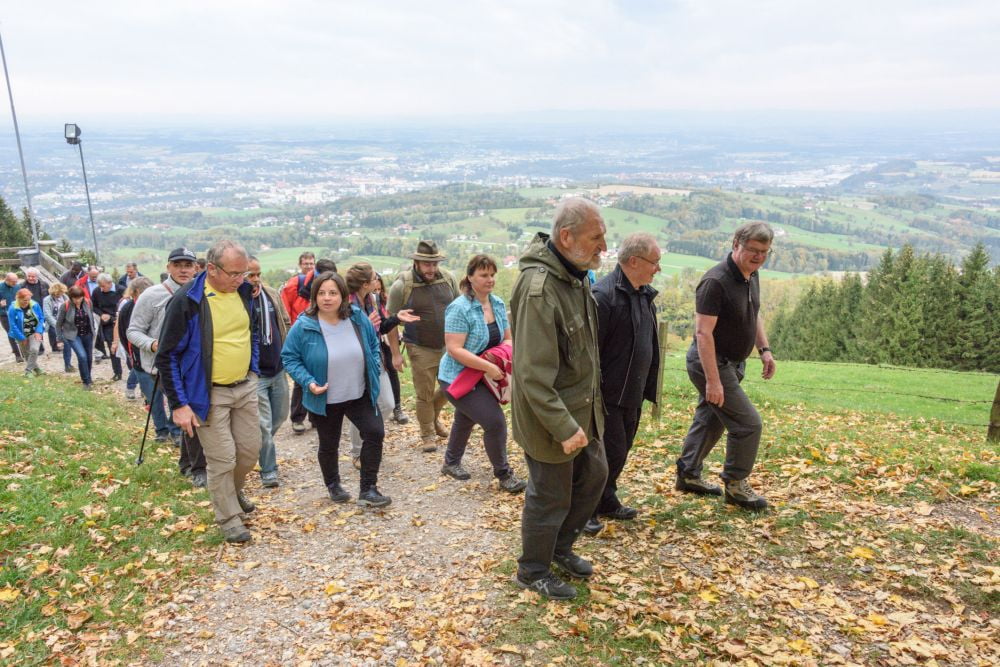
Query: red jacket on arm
[[294, 302]]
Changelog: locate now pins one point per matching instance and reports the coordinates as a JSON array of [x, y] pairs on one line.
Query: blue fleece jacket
[[305, 358], [16, 317]]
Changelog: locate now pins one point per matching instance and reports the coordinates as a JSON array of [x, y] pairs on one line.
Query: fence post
[[662, 336], [994, 433]]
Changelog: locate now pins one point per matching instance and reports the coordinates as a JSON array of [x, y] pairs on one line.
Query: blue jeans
[[132, 381], [84, 348], [163, 425], [272, 407]]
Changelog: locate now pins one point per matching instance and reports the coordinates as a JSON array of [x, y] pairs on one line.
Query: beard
[[583, 261]]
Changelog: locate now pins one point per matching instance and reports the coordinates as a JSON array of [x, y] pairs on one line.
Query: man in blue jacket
[[208, 363]]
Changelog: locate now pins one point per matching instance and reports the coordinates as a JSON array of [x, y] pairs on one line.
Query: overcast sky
[[310, 59]]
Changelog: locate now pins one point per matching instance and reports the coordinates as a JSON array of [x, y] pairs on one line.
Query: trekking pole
[[149, 413]]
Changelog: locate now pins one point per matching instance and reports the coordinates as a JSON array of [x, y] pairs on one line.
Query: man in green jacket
[[556, 408]]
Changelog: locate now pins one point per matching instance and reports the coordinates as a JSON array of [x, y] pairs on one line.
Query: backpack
[[407, 278]]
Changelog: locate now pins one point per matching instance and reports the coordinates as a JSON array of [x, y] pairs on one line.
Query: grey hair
[[571, 213], [219, 249], [31, 271], [104, 278], [635, 245], [132, 265], [753, 231]]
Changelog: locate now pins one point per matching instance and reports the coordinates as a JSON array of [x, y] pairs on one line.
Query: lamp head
[[72, 133]]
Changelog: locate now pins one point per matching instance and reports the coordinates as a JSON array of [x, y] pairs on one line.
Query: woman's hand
[[37, 337], [317, 389], [375, 319], [407, 316], [114, 348], [494, 373]]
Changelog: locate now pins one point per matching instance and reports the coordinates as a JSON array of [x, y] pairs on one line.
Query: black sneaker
[[199, 480], [372, 498], [399, 416], [574, 565], [511, 483], [456, 471], [621, 514], [549, 586], [245, 504], [593, 526], [337, 493]]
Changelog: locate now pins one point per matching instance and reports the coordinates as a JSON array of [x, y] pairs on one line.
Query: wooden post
[[662, 334], [994, 433]]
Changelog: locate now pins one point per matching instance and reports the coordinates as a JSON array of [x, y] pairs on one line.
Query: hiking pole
[[149, 413]]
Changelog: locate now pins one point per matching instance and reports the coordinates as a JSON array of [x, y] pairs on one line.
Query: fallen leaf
[[76, 620], [8, 594], [862, 552]]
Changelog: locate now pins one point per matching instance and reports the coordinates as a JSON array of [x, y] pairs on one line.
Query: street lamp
[[72, 133]]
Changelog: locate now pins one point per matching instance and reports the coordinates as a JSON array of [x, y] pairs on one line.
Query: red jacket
[[82, 284], [503, 356], [291, 295]]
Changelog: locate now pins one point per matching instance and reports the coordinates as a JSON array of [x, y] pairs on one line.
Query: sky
[[397, 58]]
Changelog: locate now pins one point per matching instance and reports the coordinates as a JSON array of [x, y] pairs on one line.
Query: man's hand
[[714, 393], [407, 317], [105, 317], [185, 417], [397, 361], [767, 359], [318, 389], [37, 336], [154, 346], [114, 348], [576, 441]]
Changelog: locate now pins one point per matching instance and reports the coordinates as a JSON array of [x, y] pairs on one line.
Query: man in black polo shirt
[[727, 327]]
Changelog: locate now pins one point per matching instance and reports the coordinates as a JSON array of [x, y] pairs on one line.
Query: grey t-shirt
[[345, 362]]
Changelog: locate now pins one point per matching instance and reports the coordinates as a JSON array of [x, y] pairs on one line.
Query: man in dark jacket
[[727, 326], [207, 359], [72, 275], [630, 357], [105, 300], [39, 290], [131, 273], [556, 407]]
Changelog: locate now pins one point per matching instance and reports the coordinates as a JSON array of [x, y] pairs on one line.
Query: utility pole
[[20, 152]]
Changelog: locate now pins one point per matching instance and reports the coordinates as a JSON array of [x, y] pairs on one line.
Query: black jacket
[[617, 323], [106, 303]]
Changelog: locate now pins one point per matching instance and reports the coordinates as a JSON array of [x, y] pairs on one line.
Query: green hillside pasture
[[813, 239], [621, 223], [926, 395], [285, 259], [546, 193]]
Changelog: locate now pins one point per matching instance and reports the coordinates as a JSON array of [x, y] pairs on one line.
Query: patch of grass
[[88, 541]]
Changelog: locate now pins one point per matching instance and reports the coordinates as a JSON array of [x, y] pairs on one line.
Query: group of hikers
[[209, 346]]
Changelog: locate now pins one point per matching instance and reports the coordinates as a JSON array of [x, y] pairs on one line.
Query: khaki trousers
[[424, 362], [231, 440]]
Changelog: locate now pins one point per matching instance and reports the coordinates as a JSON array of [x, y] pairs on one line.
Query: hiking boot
[[574, 565], [372, 498], [130, 394], [399, 416], [549, 586], [163, 438], [70, 368], [696, 485], [245, 504], [428, 443], [39, 371], [593, 526], [337, 493], [511, 483], [88, 387], [199, 479], [116, 377], [298, 428], [456, 471], [269, 480], [623, 513], [439, 428], [739, 493], [236, 534]]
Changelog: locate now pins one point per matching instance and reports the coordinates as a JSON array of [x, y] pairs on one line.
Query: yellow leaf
[[877, 619], [810, 583], [800, 645], [862, 552], [432, 487], [708, 596], [965, 490], [251, 565], [41, 568], [205, 634], [8, 594], [509, 648], [333, 588], [200, 528], [418, 645], [308, 527]]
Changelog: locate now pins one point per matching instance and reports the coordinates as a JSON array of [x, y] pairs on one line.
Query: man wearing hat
[[143, 332], [426, 289]]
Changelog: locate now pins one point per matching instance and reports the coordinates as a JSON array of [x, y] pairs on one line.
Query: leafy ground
[[881, 547]]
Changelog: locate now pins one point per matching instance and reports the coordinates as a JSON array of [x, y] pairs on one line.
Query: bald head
[[10, 278]]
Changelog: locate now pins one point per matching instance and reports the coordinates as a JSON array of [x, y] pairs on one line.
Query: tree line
[[914, 310]]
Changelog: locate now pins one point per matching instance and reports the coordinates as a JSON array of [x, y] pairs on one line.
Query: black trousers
[[296, 412], [108, 336], [392, 373], [5, 323], [192, 456], [362, 414], [557, 503], [620, 426]]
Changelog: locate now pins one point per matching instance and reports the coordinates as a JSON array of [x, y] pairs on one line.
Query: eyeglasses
[[755, 252], [233, 274], [656, 263]]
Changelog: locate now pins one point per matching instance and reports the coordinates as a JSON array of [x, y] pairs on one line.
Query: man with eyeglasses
[[208, 363], [630, 356], [727, 326]]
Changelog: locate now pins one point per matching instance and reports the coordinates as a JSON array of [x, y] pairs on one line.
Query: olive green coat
[[557, 371]]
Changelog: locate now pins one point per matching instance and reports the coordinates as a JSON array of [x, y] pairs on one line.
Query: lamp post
[[72, 134], [20, 153]]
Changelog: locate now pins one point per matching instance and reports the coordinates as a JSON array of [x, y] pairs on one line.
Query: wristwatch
[[762, 350]]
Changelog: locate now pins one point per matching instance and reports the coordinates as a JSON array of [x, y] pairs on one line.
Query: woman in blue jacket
[[27, 324], [332, 352]]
